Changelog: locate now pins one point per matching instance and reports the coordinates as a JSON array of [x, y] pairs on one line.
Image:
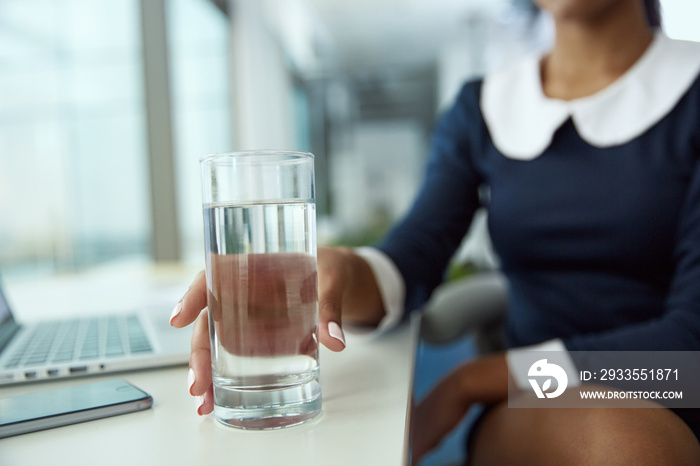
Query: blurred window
[[73, 184], [198, 43], [74, 180]]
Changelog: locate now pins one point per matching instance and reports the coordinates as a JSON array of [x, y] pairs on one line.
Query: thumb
[[330, 296]]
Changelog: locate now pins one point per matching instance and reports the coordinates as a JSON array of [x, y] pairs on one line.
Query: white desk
[[366, 391]]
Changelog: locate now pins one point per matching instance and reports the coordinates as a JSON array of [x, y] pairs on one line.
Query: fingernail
[[336, 332], [200, 402], [175, 312], [190, 380]]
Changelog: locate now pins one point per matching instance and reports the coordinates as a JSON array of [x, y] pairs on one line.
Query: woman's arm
[[678, 329], [422, 244]]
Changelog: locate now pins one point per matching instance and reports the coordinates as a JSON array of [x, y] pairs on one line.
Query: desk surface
[[366, 390]]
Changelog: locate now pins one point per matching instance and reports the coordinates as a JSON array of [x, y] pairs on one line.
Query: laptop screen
[[4, 308], [7, 324]]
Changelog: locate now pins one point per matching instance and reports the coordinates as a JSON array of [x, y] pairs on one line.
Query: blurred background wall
[[106, 107]]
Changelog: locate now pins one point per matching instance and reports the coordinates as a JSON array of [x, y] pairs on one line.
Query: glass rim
[[224, 156]]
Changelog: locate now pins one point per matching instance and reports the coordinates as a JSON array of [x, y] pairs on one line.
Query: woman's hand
[[192, 308], [483, 380], [347, 291]]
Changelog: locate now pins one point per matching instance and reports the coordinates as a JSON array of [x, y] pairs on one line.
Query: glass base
[[267, 408]]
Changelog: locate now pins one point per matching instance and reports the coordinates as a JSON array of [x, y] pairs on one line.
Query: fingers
[[205, 403], [192, 302], [200, 357], [199, 377], [330, 332], [330, 297], [192, 307]]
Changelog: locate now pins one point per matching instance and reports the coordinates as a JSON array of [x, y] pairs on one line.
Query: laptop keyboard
[[81, 340]]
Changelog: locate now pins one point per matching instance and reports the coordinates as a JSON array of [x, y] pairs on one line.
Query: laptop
[[77, 347]]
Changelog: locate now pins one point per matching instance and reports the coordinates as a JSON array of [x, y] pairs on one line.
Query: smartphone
[[54, 408]]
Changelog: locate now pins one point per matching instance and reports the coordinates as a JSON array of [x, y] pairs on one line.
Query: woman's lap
[[502, 435]]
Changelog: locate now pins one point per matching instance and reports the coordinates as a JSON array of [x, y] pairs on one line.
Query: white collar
[[522, 120]]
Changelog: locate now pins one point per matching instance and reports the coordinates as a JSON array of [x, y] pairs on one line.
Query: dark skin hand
[[483, 380], [347, 291]]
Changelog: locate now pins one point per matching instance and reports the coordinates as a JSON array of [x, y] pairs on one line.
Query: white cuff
[[520, 359], [391, 287]]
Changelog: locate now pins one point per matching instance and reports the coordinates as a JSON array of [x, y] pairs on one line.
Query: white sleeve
[[519, 358], [391, 288]]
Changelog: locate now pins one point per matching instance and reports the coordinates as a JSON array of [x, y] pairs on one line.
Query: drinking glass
[[260, 241]]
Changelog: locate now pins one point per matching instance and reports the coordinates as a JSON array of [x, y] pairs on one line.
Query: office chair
[[474, 305]]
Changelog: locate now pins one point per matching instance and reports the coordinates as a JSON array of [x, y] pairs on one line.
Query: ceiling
[[380, 34]]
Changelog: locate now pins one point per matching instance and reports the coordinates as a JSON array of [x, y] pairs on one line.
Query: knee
[[650, 436], [584, 437]]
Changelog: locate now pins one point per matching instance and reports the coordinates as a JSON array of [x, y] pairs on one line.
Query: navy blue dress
[[601, 246]]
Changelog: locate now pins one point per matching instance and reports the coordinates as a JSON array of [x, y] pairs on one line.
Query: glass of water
[[260, 240]]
